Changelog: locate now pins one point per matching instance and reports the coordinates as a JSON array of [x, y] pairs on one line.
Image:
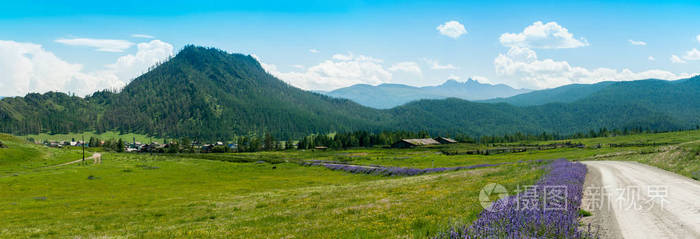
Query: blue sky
[[81, 46]]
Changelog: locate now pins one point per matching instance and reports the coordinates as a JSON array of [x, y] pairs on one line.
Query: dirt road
[[96, 158], [632, 200]]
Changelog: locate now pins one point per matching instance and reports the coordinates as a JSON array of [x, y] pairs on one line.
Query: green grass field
[[21, 156], [236, 196]]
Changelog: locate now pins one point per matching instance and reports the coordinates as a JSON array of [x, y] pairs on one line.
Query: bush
[[220, 149], [2, 145]]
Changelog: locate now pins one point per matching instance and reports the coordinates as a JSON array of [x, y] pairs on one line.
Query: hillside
[[209, 94], [562, 94], [628, 92], [452, 116], [387, 96], [675, 98]]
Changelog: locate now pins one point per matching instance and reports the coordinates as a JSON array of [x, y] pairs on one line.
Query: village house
[[206, 148]]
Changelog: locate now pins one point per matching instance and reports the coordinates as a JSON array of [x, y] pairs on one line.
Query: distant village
[[216, 147], [136, 146]]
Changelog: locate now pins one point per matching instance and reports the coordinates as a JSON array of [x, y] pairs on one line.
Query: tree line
[[355, 139]]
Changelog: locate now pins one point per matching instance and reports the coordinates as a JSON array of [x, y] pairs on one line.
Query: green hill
[[208, 94], [563, 94]]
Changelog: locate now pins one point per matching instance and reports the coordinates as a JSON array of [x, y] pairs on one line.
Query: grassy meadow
[[270, 195]]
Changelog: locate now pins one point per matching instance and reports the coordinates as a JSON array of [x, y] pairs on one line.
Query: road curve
[[632, 200]]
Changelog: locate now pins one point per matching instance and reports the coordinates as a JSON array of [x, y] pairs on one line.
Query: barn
[[409, 143], [445, 140]]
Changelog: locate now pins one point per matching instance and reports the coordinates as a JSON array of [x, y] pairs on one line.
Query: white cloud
[[314, 51], [482, 79], [637, 43], [452, 29], [350, 56], [28, 67], [698, 38], [692, 55], [107, 45], [454, 77], [340, 71], [142, 36], [539, 35], [298, 66], [676, 59], [523, 69], [435, 65], [148, 54], [407, 66], [651, 58]]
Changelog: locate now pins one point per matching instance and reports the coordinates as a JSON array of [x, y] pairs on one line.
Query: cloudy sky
[[80, 47]]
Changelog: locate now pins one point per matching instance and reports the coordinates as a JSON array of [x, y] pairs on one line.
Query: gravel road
[[632, 200]]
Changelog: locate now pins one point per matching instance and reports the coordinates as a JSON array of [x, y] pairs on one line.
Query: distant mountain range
[[387, 96], [206, 93]]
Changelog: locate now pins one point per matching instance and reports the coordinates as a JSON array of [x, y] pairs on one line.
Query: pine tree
[[120, 145], [289, 144], [268, 142]]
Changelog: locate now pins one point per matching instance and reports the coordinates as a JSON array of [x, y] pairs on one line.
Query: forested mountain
[[678, 99], [453, 116], [210, 94], [387, 96], [562, 94], [49, 112], [207, 92]]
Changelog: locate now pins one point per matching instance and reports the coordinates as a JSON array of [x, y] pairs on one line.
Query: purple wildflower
[[508, 219]]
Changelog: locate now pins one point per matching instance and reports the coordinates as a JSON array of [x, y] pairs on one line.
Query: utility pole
[[83, 149]]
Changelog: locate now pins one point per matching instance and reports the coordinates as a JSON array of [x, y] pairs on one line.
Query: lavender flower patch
[[535, 212], [391, 171]]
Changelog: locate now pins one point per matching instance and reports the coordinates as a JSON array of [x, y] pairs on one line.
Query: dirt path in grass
[[96, 158], [632, 200]]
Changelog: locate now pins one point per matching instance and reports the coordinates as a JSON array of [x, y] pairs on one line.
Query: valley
[[271, 194]]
